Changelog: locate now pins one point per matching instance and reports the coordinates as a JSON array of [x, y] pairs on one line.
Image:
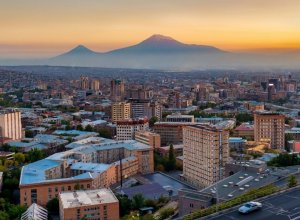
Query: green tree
[[77, 186], [152, 121], [4, 215], [29, 134], [89, 128], [79, 127], [15, 211], [171, 164], [125, 205], [19, 157], [104, 132], [35, 155], [53, 206], [292, 181], [138, 201], [165, 213]]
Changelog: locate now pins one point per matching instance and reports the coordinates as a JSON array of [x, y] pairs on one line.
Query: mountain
[[166, 53], [163, 44], [157, 51]]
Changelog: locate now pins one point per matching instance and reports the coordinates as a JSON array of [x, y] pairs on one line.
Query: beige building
[[117, 90], [127, 128], [270, 126], [95, 85], [10, 124], [84, 82], [205, 153], [148, 138], [120, 111], [89, 204]]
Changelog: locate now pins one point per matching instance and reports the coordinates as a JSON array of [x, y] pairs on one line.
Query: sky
[[44, 28]]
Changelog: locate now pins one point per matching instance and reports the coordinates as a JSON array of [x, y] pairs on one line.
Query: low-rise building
[[89, 204], [86, 167], [149, 138]]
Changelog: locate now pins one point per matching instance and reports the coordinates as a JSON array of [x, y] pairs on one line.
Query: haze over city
[[47, 28], [150, 110]]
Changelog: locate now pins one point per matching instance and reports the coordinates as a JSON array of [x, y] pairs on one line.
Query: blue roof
[[72, 132], [35, 172], [95, 167], [236, 140]]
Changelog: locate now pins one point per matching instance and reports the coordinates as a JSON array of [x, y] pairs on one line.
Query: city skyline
[[44, 29]]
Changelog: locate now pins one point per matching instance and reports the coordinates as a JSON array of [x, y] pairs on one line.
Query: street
[[279, 207]]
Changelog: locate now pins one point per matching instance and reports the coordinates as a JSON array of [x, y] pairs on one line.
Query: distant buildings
[[206, 151], [170, 132], [177, 117], [10, 124], [84, 82], [145, 108], [270, 126], [127, 128], [245, 130], [120, 111], [117, 90], [89, 204], [95, 85]]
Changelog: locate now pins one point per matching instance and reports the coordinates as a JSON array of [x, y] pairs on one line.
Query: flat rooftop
[[87, 198]]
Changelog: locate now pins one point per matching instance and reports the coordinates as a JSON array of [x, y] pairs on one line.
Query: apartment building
[[120, 111], [127, 128], [10, 124], [206, 151], [270, 126], [85, 167], [89, 204]]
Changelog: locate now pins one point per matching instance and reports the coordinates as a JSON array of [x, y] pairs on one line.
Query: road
[[284, 206]]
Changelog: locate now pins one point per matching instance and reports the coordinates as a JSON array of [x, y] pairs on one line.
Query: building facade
[[86, 167], [89, 204], [117, 90], [270, 126], [149, 138], [120, 111], [127, 128], [206, 151], [10, 124]]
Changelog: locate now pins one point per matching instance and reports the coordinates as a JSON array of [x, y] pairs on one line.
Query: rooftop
[[87, 197]]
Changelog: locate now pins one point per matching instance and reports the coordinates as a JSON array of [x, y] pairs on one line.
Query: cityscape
[[192, 112]]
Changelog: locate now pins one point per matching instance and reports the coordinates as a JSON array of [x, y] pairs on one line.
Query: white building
[[126, 129]]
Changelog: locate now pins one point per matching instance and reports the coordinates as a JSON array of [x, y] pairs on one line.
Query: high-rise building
[[126, 128], [205, 153], [95, 85], [117, 90], [89, 204], [10, 124], [84, 82], [120, 111], [270, 126]]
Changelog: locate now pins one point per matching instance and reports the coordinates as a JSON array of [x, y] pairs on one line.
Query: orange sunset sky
[[41, 28]]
